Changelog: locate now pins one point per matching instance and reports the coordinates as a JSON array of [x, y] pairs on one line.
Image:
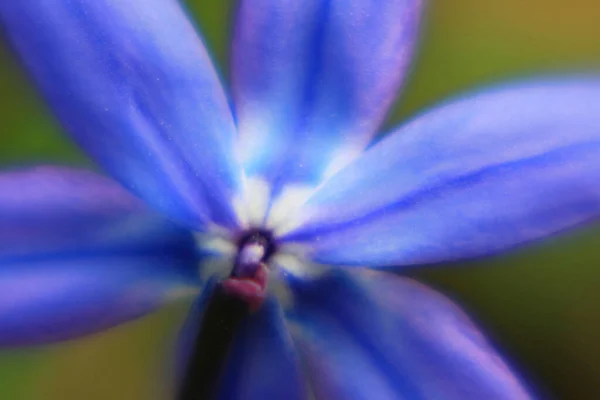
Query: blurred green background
[[540, 305]]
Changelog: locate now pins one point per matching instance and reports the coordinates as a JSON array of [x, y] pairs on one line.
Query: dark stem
[[231, 302], [220, 322]]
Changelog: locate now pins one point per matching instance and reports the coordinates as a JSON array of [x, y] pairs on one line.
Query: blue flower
[[282, 201]]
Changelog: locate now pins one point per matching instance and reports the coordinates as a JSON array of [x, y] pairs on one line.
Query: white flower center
[[263, 220]]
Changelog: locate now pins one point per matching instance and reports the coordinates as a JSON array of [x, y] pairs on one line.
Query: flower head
[[286, 200]]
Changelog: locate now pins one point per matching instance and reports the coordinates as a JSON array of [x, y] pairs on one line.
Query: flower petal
[[189, 331], [394, 339], [133, 84], [312, 80], [50, 212], [263, 363], [50, 300], [79, 254], [476, 176]]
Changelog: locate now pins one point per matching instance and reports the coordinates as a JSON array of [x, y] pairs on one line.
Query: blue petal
[[78, 254], [476, 176], [312, 80], [133, 84], [263, 363], [190, 330], [53, 212], [372, 335], [50, 300]]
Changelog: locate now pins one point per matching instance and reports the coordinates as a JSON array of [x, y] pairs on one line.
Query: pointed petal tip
[[366, 333]]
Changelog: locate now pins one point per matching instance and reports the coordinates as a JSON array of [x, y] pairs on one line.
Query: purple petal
[[50, 300], [475, 176], [372, 335], [133, 84], [190, 329], [58, 212], [263, 363], [79, 254], [312, 80]]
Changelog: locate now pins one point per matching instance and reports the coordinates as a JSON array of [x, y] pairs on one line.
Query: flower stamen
[[248, 279]]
